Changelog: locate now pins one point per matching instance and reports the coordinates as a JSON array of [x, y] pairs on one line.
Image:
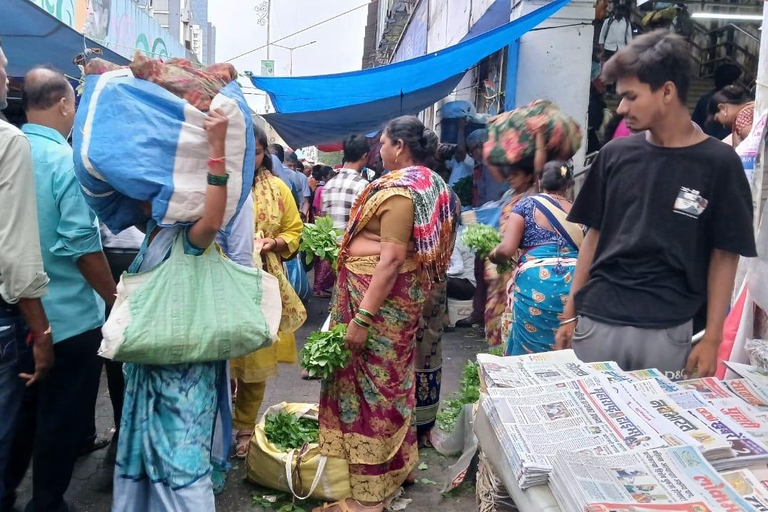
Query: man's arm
[[95, 269], [22, 278], [580, 277], [722, 274]]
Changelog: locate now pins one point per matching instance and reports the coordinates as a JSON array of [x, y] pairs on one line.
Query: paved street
[[91, 488]]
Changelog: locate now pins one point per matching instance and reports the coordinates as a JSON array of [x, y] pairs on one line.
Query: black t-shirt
[[660, 212]]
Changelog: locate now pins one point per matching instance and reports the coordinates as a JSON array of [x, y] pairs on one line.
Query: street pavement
[[91, 486]]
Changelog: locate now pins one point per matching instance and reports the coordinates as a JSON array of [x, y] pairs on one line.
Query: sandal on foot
[[243, 439], [340, 505]]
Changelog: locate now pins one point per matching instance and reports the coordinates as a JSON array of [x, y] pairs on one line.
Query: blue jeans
[[13, 334]]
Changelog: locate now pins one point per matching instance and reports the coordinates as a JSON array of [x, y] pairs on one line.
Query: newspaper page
[[749, 487], [709, 388], [580, 415], [750, 373], [515, 372], [747, 449], [678, 475], [751, 419], [675, 431], [748, 392], [611, 370], [654, 374]]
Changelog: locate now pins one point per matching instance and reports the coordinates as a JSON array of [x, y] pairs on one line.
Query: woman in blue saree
[[167, 450], [549, 246]]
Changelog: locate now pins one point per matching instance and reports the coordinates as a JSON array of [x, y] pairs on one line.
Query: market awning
[[32, 37], [318, 109]]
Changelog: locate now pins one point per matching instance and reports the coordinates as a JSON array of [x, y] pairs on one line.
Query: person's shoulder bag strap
[[607, 29], [551, 209]]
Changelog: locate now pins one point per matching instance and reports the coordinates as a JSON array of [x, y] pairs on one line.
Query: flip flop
[[341, 505], [241, 450]]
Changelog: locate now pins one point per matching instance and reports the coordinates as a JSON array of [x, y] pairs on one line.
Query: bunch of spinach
[[481, 239], [324, 352], [288, 432], [320, 240]]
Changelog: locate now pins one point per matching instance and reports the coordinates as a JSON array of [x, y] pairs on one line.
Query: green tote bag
[[192, 309]]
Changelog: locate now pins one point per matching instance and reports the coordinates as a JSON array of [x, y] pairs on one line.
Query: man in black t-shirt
[[669, 211]]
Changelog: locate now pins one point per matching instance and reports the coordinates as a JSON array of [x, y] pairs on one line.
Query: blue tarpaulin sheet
[[32, 37], [317, 109]]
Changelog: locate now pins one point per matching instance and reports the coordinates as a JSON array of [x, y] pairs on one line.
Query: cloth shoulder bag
[[192, 309]]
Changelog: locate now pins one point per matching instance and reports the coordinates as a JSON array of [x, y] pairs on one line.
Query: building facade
[[532, 67], [208, 31]]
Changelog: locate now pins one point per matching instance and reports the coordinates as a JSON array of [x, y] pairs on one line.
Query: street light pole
[[291, 49]]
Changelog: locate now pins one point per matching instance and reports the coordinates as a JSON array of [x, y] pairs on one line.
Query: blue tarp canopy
[[32, 37], [317, 109]]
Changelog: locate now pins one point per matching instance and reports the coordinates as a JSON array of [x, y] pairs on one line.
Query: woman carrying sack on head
[[549, 245], [519, 143], [167, 427], [277, 219]]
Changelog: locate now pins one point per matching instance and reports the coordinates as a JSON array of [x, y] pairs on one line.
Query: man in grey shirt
[[22, 278]]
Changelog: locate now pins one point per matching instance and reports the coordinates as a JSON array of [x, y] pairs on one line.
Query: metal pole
[[269, 25], [761, 94]]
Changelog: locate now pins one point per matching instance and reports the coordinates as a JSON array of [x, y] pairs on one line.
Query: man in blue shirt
[[55, 413], [293, 163], [287, 175]]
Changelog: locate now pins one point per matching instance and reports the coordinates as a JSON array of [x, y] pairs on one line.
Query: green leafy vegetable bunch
[[481, 239], [320, 239], [324, 352], [288, 432]]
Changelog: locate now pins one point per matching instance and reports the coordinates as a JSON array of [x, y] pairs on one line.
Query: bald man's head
[[43, 88], [48, 99]]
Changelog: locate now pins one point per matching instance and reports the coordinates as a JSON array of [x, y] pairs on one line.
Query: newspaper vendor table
[[535, 499]]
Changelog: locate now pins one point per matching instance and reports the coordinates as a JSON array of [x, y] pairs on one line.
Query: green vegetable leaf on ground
[[423, 466]]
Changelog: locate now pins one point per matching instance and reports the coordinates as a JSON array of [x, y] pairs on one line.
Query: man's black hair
[[355, 148], [278, 151], [43, 92]]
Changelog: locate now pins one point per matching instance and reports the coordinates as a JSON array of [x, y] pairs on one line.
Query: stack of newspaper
[[545, 405], [677, 478], [561, 406]]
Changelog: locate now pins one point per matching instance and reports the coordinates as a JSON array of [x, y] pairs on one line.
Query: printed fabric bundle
[[512, 135], [139, 138]]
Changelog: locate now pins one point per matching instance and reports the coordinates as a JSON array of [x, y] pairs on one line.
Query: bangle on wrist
[[365, 313], [218, 180], [361, 323], [569, 321]]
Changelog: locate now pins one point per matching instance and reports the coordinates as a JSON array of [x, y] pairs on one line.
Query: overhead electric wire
[[298, 32]]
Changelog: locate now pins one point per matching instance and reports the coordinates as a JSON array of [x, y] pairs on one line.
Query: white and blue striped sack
[[134, 141]]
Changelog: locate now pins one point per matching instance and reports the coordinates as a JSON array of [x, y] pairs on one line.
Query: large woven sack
[[136, 142], [512, 135], [303, 472], [192, 309]]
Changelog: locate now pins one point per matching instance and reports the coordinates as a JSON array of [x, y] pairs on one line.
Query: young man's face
[[641, 106]]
